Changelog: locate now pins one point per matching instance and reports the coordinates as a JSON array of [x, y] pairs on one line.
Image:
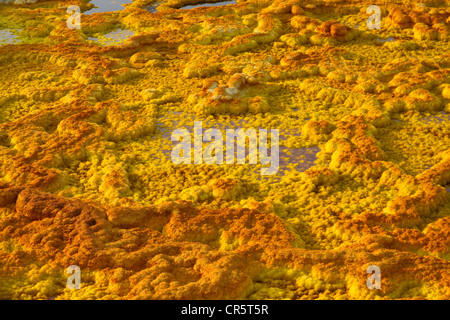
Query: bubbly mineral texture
[[86, 176]]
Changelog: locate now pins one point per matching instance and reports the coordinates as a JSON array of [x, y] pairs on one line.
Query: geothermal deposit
[[361, 99]]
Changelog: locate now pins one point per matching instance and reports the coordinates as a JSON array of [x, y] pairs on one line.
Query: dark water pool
[[107, 6], [8, 37], [216, 4], [152, 7]]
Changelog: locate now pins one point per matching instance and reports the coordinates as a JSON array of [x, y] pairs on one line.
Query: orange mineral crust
[[359, 92]]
